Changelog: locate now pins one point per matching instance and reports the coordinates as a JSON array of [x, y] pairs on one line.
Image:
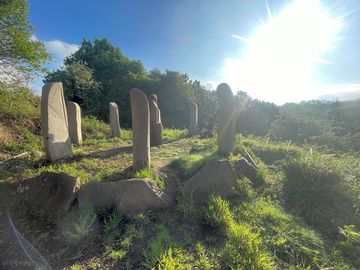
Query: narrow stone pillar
[[155, 121], [54, 122], [74, 117], [114, 119], [193, 127], [140, 116], [227, 119]]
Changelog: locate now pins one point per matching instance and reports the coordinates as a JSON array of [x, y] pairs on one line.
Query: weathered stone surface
[[193, 127], [244, 168], [49, 191], [140, 129], [128, 196], [227, 119], [155, 121], [155, 133], [215, 177], [114, 119], [54, 122], [74, 117]]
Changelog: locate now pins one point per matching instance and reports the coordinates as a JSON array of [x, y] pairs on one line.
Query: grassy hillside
[[301, 210], [301, 215]]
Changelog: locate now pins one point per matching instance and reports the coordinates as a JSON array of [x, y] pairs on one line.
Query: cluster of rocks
[[61, 126]]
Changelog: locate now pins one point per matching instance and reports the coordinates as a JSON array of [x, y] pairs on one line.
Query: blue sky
[[213, 41]]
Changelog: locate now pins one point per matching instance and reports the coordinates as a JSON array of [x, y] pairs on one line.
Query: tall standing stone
[[227, 119], [140, 116], [193, 127], [54, 122], [155, 121], [114, 119], [74, 118]]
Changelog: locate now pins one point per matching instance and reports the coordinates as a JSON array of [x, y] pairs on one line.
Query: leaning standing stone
[[74, 117], [155, 121], [227, 119], [140, 129], [54, 122], [114, 120], [193, 127]]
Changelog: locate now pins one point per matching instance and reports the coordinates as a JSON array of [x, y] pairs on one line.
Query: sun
[[278, 61]]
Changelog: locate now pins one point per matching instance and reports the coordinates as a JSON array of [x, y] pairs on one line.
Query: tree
[[79, 86], [20, 54]]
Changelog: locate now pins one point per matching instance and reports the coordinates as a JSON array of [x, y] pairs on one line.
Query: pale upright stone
[[193, 127], [227, 119], [54, 122], [140, 129], [74, 117], [114, 119], [155, 121]]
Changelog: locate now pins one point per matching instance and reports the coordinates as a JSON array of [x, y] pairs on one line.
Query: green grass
[[300, 211], [173, 134], [148, 173]]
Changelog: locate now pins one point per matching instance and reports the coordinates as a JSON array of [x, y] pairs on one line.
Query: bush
[[317, 192]]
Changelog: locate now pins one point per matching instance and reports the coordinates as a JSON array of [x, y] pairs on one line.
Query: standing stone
[[193, 127], [54, 122], [114, 119], [74, 117], [140, 129], [155, 121], [227, 119]]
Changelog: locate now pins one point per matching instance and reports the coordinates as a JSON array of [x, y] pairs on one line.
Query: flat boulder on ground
[[49, 191], [127, 196], [216, 177], [245, 168]]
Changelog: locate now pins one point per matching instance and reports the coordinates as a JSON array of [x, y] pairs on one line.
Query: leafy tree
[[79, 86], [20, 55]]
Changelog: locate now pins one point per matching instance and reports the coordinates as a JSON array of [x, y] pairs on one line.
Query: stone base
[[215, 177], [127, 196], [155, 133]]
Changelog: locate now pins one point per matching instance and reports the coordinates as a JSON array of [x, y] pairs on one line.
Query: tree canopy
[[21, 55]]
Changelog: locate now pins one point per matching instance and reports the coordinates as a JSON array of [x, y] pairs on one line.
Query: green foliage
[[79, 225], [244, 251], [257, 117], [173, 134], [243, 248], [19, 114], [188, 165], [112, 225], [148, 173], [244, 189], [94, 128], [157, 247], [18, 102], [18, 50], [289, 240], [98, 73], [79, 86], [316, 191], [350, 243]]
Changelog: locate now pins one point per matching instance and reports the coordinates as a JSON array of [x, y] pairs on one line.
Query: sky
[[275, 50]]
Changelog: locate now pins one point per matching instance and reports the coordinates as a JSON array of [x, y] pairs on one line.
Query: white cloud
[[60, 49]]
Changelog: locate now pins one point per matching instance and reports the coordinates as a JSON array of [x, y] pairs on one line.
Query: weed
[[112, 226], [157, 247], [79, 225]]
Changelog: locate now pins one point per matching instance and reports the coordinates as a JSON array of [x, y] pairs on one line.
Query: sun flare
[[278, 61]]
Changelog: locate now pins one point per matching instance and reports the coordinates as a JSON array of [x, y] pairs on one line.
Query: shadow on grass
[[14, 167]]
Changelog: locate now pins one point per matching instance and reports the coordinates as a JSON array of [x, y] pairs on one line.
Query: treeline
[[98, 73], [334, 125]]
